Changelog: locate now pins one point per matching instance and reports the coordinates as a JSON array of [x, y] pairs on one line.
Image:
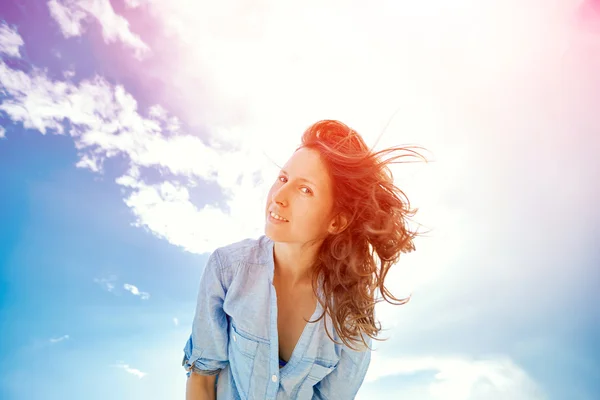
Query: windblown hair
[[376, 213]]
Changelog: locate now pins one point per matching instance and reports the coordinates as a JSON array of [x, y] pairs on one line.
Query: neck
[[293, 262]]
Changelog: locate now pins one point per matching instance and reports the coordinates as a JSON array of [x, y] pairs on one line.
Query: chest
[[293, 310]]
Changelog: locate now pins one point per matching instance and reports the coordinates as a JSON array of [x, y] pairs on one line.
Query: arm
[[205, 352], [200, 387]]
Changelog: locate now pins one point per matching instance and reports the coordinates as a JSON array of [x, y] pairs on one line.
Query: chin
[[273, 234], [269, 232]]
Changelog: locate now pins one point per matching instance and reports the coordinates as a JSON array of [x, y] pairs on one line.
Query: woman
[[331, 212]]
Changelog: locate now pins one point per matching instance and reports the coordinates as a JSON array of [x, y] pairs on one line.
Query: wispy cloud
[[109, 285], [60, 339], [2, 133], [132, 371], [71, 15], [106, 283], [462, 378], [135, 291], [176, 321], [10, 41]]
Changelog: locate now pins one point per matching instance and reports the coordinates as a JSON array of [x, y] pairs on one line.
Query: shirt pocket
[[316, 374], [242, 353]]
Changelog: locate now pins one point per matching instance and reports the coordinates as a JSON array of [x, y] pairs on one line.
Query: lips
[[276, 213]]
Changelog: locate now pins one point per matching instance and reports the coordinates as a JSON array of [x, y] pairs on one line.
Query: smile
[[277, 217]]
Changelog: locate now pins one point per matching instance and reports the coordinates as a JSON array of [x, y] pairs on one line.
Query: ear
[[338, 224]]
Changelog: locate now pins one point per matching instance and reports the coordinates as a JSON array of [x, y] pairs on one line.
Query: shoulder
[[241, 254], [250, 250]]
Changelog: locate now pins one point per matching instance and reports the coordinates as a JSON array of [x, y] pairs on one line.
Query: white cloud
[[60, 339], [72, 14], [105, 122], [260, 66], [69, 17], [106, 283], [109, 285], [2, 133], [91, 162], [10, 41], [69, 73], [135, 291], [132, 371], [135, 3], [176, 321], [462, 378]]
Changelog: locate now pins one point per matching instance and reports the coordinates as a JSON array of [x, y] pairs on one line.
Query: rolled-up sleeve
[[205, 352], [347, 377]]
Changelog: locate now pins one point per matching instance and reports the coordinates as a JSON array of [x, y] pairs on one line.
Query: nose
[[278, 197]]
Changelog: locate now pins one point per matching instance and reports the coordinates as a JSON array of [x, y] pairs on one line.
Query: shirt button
[[234, 338], [274, 378]]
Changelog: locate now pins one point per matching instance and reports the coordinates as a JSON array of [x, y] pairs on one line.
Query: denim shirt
[[234, 335]]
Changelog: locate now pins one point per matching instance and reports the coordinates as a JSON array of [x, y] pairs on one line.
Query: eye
[[308, 191]]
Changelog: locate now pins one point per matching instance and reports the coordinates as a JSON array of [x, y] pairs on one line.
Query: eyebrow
[[300, 179]]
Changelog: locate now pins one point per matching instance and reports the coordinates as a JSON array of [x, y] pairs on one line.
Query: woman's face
[[303, 195]]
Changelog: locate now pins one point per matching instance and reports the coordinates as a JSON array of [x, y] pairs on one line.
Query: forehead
[[306, 163]]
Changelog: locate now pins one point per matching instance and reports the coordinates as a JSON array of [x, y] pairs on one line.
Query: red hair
[[373, 213]]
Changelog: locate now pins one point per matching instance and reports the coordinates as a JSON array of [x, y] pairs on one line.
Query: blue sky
[[138, 135], [66, 236]]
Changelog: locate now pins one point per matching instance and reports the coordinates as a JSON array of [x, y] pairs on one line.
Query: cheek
[[270, 194], [311, 217]]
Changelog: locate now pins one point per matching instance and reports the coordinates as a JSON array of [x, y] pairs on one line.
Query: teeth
[[278, 217]]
